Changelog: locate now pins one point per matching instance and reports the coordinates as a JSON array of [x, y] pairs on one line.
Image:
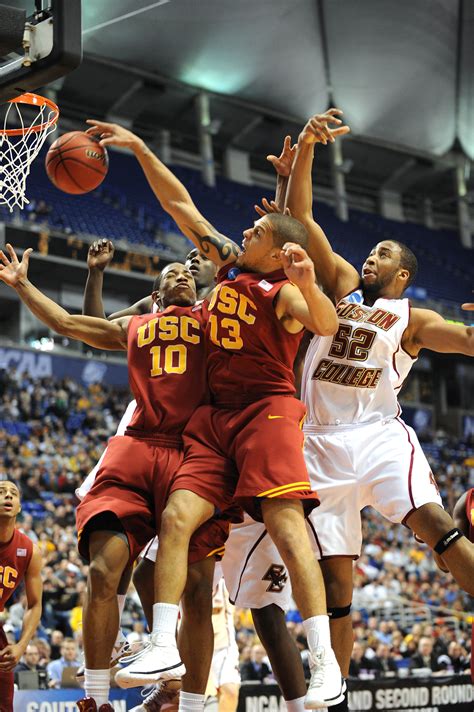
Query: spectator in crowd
[[30, 662], [44, 650], [68, 659], [456, 661], [359, 664], [256, 668], [383, 662], [425, 656]]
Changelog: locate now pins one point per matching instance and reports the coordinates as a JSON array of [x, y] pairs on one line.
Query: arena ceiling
[[402, 71]]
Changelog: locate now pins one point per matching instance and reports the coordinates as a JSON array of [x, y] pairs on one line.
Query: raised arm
[[336, 275], [171, 193], [100, 333], [10, 656], [428, 330], [99, 256], [302, 303], [282, 165]]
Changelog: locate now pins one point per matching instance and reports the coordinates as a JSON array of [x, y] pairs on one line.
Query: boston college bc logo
[[277, 576]]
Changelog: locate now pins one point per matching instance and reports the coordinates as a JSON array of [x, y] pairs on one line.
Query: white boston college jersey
[[355, 376]]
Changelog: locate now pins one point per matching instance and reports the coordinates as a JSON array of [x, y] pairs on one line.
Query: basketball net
[[20, 146]]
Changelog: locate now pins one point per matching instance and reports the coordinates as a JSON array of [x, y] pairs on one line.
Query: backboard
[[41, 41]]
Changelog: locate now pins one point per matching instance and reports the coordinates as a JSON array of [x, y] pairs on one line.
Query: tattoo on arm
[[223, 245]]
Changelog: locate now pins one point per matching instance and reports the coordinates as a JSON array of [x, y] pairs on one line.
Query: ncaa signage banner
[[38, 364], [434, 694]]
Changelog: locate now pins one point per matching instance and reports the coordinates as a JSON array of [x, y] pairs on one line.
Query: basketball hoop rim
[[33, 100]]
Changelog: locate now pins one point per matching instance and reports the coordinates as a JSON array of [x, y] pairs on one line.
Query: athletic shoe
[[157, 662], [120, 652], [326, 687], [165, 693], [88, 704]]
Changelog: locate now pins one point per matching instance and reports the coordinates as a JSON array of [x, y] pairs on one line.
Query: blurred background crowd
[[407, 614]]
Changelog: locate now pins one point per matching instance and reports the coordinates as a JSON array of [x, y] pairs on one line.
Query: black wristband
[[445, 542]]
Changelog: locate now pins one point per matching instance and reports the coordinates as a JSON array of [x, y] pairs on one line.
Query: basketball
[[76, 163]]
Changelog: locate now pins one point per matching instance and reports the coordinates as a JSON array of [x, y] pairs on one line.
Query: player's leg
[[285, 523], [337, 574], [256, 578], [435, 527], [109, 556], [284, 656], [184, 513], [196, 625], [335, 526], [279, 482], [143, 580]]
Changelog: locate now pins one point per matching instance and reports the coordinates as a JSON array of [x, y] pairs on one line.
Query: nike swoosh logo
[[273, 417]]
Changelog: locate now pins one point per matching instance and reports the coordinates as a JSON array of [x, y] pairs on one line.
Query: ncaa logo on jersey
[[21, 552], [277, 576], [355, 298]]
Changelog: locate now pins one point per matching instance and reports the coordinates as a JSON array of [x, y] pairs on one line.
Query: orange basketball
[[76, 162]]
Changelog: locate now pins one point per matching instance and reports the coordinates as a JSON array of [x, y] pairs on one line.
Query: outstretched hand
[[468, 306], [112, 134], [100, 254], [11, 270], [298, 266], [319, 130], [269, 206], [284, 162]]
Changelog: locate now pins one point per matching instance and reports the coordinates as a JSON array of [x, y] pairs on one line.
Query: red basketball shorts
[[6, 681], [133, 482], [262, 442]]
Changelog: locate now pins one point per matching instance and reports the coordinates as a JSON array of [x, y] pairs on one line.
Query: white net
[[17, 152]]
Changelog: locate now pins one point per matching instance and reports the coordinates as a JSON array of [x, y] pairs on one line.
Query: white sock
[[317, 632], [296, 705], [191, 702], [97, 685], [165, 620]]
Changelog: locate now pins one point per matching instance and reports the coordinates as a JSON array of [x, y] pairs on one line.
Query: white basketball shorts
[[254, 573], [379, 464]]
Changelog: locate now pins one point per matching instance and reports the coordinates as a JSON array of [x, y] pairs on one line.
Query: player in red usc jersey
[[266, 296], [99, 256], [20, 561], [123, 509]]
